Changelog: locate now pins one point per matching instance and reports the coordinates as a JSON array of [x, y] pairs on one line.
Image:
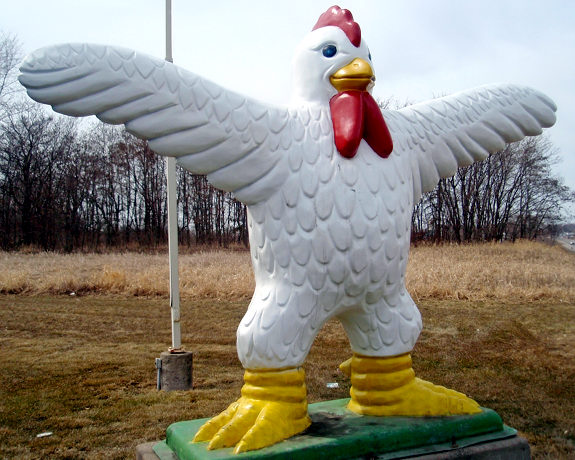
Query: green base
[[337, 433]]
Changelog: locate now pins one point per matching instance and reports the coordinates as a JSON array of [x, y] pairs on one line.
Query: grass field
[[82, 366], [521, 271]]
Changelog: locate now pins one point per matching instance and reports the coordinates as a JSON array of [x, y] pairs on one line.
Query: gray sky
[[420, 48]]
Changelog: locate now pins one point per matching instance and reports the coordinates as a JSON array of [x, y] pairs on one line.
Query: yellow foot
[[273, 407], [388, 386]]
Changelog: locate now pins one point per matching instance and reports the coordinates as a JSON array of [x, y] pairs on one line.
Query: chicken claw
[[273, 407]]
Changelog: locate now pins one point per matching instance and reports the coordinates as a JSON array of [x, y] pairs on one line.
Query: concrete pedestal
[[336, 433], [514, 448], [176, 371]]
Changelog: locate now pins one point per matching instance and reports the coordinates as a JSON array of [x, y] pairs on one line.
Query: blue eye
[[329, 51], [369, 55]]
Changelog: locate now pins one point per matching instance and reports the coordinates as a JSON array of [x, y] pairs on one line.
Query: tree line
[[68, 184], [512, 194]]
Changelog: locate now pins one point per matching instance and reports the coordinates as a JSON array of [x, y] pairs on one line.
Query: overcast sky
[[420, 48]]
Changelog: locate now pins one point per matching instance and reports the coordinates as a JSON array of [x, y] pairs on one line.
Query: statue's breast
[[336, 223]]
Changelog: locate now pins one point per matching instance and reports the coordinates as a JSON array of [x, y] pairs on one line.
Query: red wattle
[[375, 130], [347, 118], [356, 115]]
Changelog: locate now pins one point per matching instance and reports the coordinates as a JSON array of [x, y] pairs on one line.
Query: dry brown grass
[[524, 270], [521, 271], [208, 274], [83, 366]]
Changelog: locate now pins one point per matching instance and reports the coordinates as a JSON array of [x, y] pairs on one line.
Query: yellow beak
[[357, 75]]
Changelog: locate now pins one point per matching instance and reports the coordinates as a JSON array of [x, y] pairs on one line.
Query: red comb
[[343, 19]]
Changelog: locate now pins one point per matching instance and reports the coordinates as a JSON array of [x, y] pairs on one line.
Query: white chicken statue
[[329, 182]]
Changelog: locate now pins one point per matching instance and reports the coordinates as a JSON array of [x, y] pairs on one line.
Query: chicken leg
[[388, 386]]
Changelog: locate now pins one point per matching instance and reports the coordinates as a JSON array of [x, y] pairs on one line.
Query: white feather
[[209, 129], [457, 130]]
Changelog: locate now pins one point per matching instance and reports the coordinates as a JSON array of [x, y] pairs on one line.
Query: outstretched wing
[[236, 141], [446, 133]]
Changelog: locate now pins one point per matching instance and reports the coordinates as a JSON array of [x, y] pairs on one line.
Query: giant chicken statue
[[329, 182]]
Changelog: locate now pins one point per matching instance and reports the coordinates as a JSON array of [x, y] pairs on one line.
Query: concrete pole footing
[[176, 371]]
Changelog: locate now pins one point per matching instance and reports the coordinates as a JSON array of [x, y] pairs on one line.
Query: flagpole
[[172, 216], [169, 31]]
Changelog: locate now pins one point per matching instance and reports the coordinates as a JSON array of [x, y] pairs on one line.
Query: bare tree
[[10, 56], [33, 146]]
